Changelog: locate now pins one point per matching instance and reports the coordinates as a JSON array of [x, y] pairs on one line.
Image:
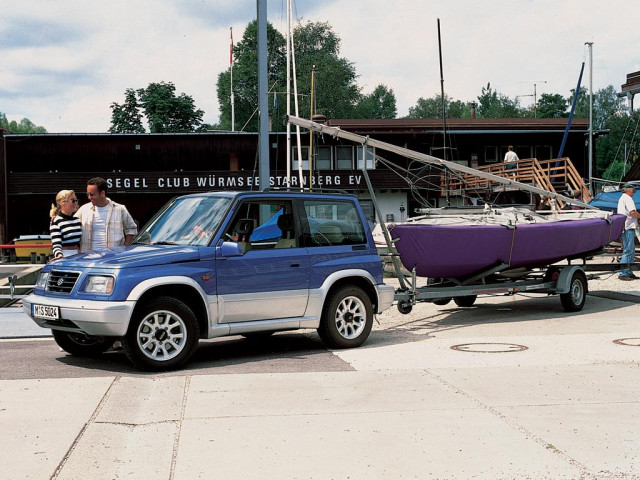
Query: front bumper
[[89, 316]]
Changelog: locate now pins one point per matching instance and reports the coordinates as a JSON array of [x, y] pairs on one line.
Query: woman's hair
[[60, 197]]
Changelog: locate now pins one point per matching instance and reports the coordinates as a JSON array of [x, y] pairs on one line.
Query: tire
[[466, 301], [347, 318], [574, 299], [162, 335], [442, 301], [404, 307], [81, 344]]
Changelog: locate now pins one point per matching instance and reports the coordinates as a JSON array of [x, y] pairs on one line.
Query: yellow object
[[33, 240]]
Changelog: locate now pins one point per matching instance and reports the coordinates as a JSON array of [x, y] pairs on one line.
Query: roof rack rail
[[307, 190]]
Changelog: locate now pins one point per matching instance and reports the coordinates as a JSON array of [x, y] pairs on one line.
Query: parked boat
[[459, 244]]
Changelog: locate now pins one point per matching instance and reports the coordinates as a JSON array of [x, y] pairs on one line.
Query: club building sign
[[230, 181], [174, 183]]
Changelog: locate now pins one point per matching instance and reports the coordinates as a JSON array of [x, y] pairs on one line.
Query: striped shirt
[[65, 231]]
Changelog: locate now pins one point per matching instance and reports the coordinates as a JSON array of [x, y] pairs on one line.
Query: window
[[261, 225], [323, 159], [344, 158], [543, 152], [368, 153], [490, 154], [305, 158], [332, 223]]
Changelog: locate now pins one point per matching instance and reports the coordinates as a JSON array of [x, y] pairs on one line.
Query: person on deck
[[510, 158], [627, 207]]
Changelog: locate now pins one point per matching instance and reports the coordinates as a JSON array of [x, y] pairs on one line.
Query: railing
[[13, 286], [547, 174]]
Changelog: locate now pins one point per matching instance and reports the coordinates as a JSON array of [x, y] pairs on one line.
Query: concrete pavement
[[527, 391]]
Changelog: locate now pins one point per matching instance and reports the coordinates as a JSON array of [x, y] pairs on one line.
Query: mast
[[428, 159], [590, 155], [233, 113], [288, 93], [444, 117]]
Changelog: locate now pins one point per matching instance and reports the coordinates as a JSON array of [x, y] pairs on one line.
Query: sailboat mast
[[428, 159], [288, 157], [590, 44]]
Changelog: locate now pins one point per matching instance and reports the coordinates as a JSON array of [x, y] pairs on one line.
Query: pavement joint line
[[176, 440], [91, 421], [511, 423]]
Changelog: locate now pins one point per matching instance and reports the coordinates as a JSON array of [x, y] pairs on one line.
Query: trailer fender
[[564, 278]]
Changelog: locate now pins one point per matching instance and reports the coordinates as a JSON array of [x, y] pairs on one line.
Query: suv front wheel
[[347, 318], [162, 335]]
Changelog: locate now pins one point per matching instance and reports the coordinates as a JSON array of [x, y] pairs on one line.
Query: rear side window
[[332, 222]]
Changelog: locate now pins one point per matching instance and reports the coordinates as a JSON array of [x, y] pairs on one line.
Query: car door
[[270, 279]]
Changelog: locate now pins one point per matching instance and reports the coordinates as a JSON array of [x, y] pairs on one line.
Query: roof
[[470, 125]]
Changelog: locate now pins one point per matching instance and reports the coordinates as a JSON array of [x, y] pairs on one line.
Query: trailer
[[568, 281]]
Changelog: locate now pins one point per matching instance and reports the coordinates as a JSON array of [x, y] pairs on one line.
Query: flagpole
[[288, 93], [233, 113]]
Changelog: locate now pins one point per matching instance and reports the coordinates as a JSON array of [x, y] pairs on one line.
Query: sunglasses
[[73, 200]]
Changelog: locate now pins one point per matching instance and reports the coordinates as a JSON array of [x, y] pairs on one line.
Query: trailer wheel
[[442, 301], [466, 301], [404, 307], [574, 299]]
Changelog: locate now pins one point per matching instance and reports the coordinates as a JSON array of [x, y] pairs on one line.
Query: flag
[[231, 48]]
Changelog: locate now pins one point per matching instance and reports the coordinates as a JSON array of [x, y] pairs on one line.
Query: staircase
[[557, 175]]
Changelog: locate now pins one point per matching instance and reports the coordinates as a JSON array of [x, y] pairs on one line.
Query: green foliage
[[23, 126], [317, 49], [492, 104], [552, 106], [432, 108], [126, 118], [165, 112], [381, 103]]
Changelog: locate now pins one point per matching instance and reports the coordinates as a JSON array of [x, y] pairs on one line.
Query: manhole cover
[[629, 342], [489, 347]]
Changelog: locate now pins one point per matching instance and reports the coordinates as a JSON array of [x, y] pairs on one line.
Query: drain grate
[[489, 347], [628, 342]]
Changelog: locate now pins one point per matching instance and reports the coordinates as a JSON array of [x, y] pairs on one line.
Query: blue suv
[[217, 264]]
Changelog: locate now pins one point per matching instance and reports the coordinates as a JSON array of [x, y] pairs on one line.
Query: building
[[145, 170]]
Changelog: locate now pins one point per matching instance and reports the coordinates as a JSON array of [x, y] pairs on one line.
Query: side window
[[332, 222], [264, 224]]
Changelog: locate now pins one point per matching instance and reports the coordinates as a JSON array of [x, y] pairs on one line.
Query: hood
[[132, 256]]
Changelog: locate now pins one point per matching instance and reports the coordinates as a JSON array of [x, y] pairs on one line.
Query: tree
[[317, 49], [552, 106], [24, 126], [165, 112], [126, 118], [432, 108], [381, 103], [245, 78], [496, 105]]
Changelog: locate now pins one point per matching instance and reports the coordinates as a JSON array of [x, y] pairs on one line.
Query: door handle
[[295, 265]]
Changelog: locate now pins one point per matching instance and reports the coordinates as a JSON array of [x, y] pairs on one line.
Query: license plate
[[46, 312]]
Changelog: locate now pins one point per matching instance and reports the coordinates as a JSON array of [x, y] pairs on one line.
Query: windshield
[[185, 221]]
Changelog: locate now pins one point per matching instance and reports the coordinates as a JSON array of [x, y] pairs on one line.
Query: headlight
[[43, 278], [99, 284]]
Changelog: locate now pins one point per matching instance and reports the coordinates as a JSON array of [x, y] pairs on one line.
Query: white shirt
[[511, 156], [99, 228], [625, 206]]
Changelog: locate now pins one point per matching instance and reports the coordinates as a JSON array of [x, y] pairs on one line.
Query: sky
[[65, 62]]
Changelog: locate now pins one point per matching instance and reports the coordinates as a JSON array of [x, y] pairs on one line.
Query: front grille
[[62, 282]]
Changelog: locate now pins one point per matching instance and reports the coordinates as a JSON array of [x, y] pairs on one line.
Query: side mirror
[[230, 249]]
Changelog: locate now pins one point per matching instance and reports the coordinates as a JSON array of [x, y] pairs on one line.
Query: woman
[[66, 230]]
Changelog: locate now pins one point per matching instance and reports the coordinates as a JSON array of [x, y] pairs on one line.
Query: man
[[105, 223], [627, 207], [510, 158]]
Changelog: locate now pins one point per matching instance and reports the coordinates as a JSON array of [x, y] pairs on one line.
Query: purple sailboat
[[458, 246]]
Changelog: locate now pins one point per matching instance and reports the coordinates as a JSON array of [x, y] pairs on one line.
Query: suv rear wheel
[[347, 318], [162, 335]]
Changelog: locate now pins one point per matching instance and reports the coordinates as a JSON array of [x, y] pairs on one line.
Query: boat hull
[[460, 251]]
